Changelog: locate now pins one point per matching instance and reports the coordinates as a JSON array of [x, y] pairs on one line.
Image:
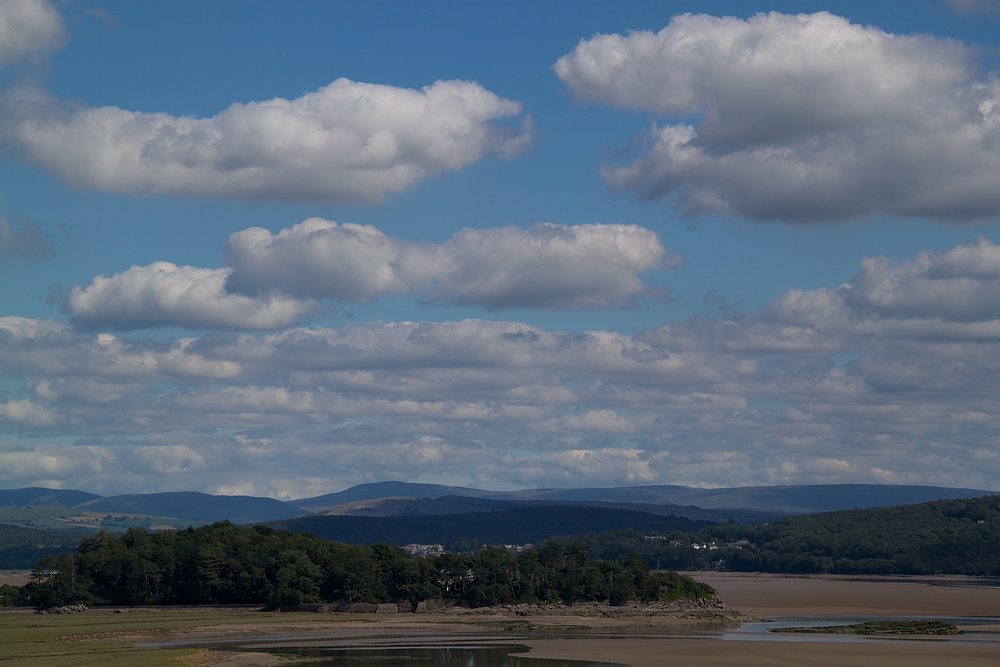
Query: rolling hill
[[37, 497], [468, 504], [403, 499], [193, 506], [803, 499]]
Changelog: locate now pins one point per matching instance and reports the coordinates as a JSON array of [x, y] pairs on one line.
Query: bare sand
[[769, 595], [14, 577]]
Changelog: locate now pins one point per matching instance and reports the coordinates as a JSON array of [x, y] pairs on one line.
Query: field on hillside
[[58, 518]]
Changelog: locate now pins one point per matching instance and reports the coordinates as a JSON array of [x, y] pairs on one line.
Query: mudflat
[[14, 577], [720, 653], [769, 595]]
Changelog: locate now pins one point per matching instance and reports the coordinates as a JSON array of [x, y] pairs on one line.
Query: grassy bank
[[928, 628], [36, 640]]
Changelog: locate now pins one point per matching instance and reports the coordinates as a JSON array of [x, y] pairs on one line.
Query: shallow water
[[435, 649], [431, 656]]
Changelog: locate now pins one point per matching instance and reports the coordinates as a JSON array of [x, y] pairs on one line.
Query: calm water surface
[[430, 656]]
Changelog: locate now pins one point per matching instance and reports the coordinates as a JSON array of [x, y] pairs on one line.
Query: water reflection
[[429, 656]]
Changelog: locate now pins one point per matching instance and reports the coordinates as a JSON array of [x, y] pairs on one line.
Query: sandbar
[[770, 595]]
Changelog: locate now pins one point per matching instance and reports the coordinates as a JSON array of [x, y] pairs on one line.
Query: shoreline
[[764, 595], [241, 637]]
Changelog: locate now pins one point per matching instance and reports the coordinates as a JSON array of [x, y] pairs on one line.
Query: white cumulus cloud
[[545, 266], [346, 142], [25, 413], [274, 280], [28, 27], [949, 294], [805, 118], [164, 294]]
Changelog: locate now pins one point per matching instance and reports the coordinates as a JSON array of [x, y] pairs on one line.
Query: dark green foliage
[[517, 526], [942, 537], [227, 564], [20, 547], [11, 596]]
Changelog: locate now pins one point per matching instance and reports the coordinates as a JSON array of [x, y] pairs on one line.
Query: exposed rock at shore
[[709, 608], [71, 609], [702, 609]]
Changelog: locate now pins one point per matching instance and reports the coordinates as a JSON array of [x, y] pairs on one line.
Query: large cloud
[[273, 280], [952, 294], [28, 27], [546, 266], [891, 377], [164, 294], [803, 118], [346, 142]]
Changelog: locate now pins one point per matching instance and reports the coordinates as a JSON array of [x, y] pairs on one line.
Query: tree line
[[941, 537], [228, 564]]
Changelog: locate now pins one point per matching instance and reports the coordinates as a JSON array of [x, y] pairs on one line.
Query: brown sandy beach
[[14, 577], [768, 595]]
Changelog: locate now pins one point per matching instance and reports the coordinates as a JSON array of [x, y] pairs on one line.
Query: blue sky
[[754, 248]]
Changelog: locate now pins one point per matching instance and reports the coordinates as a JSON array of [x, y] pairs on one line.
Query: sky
[[281, 249]]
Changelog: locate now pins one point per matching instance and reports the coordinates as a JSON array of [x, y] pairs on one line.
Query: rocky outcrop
[[71, 609]]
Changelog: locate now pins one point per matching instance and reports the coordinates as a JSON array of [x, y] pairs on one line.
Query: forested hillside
[[227, 564], [517, 526], [21, 548], [942, 537]]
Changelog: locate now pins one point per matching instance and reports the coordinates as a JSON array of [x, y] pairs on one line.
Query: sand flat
[[14, 577], [717, 653], [770, 595]]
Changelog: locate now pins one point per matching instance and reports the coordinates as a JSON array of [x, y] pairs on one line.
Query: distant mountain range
[[403, 499], [784, 500], [183, 505], [37, 497], [194, 506]]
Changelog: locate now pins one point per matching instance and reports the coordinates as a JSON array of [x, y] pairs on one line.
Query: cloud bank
[[273, 280], [346, 142], [890, 377], [805, 118]]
